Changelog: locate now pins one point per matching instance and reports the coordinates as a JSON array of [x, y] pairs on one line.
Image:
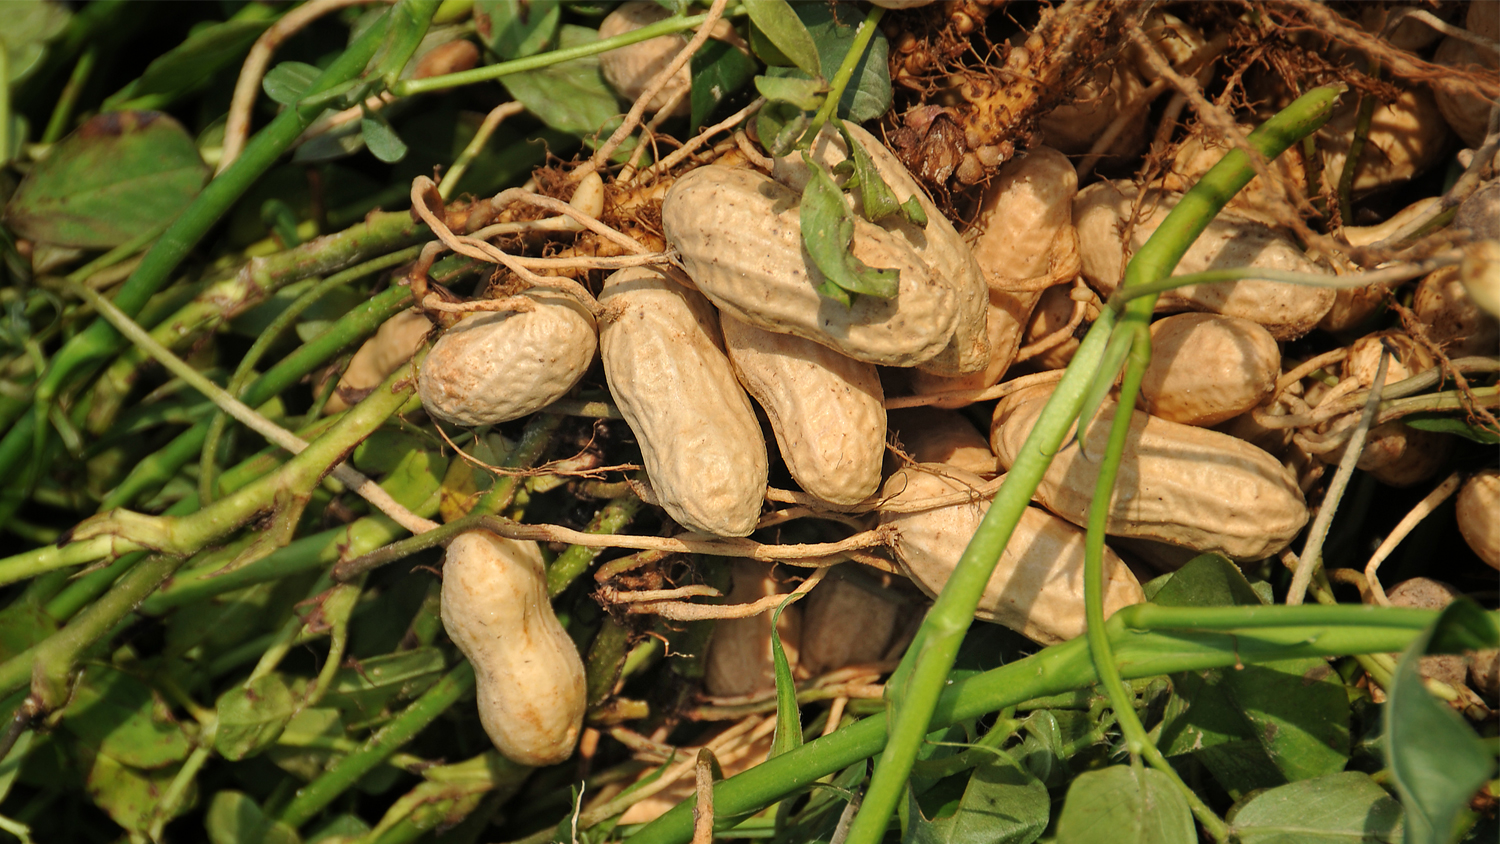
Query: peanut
[[928, 435], [1206, 368], [739, 654], [739, 235], [1073, 128], [1353, 305], [529, 676], [699, 437], [1288, 311], [631, 68], [1178, 484], [1037, 586], [1053, 311], [1479, 515], [503, 365], [846, 622], [825, 409], [1406, 137], [1480, 274], [1469, 113], [394, 343]]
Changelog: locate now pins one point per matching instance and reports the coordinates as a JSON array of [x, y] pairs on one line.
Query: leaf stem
[[845, 72]]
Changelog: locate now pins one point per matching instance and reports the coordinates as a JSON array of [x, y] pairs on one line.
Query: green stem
[[100, 338], [915, 689], [488, 73], [316, 795], [841, 77], [1367, 103], [62, 112], [612, 518]]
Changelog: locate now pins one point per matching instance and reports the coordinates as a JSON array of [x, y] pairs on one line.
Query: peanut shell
[[1207, 368]]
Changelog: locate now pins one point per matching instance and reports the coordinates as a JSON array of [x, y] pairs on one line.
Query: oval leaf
[[780, 25], [250, 719], [1343, 808], [1125, 805], [119, 175]]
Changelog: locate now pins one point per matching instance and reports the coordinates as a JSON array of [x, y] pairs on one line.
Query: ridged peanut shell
[[699, 437], [1288, 311], [932, 435], [1187, 486], [1452, 317], [825, 409], [502, 365], [739, 654], [1207, 368], [528, 674], [630, 69], [846, 623], [740, 238], [394, 343], [1037, 586], [1479, 515]]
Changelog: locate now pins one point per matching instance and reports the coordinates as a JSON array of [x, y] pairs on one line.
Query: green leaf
[[788, 735], [382, 140], [120, 175], [1001, 804], [250, 719], [718, 71], [517, 28], [192, 64], [780, 24], [129, 795], [803, 94], [13, 760], [828, 231], [288, 82], [23, 624], [1436, 759], [779, 125], [1208, 580], [363, 691], [1342, 808], [877, 201], [833, 27], [571, 97], [235, 818], [1440, 424], [1122, 804], [117, 714], [28, 27]]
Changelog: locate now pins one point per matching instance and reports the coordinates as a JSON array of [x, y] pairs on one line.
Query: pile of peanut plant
[[525, 420]]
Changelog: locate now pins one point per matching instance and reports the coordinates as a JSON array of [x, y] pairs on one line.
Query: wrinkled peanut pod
[[1469, 113], [1093, 106], [826, 409], [1409, 358], [739, 658], [1204, 148], [498, 366], [1025, 243], [1178, 484], [1054, 311], [699, 437], [528, 674], [1479, 515], [1288, 311], [1037, 587], [1427, 594], [1480, 274], [1207, 368], [740, 237], [631, 68], [1353, 305], [846, 623], [394, 343], [930, 435], [1406, 137]]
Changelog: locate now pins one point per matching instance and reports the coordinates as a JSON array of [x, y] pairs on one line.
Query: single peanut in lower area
[[528, 674]]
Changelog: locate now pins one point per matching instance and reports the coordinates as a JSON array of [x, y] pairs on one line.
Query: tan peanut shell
[[1286, 310], [1090, 110], [825, 409], [1207, 368], [1479, 515], [498, 366], [1469, 112], [394, 343], [1398, 455], [1353, 305], [528, 674], [631, 68], [846, 623], [699, 437], [1053, 311], [740, 238], [1480, 273], [1406, 137], [931, 435], [1179, 484], [1037, 586], [739, 658], [1452, 318]]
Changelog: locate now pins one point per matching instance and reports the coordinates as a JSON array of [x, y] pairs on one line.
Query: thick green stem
[[612, 518], [914, 691]]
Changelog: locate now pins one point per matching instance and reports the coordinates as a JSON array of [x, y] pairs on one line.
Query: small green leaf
[[788, 735], [1001, 804], [129, 795], [1122, 804], [28, 27], [517, 28], [1208, 580], [235, 818], [782, 27], [1441, 424], [877, 201], [119, 175], [719, 70], [833, 27], [571, 97], [117, 714], [382, 140], [912, 208], [250, 719], [1436, 759], [287, 82], [779, 125], [1342, 808], [803, 94], [828, 231]]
